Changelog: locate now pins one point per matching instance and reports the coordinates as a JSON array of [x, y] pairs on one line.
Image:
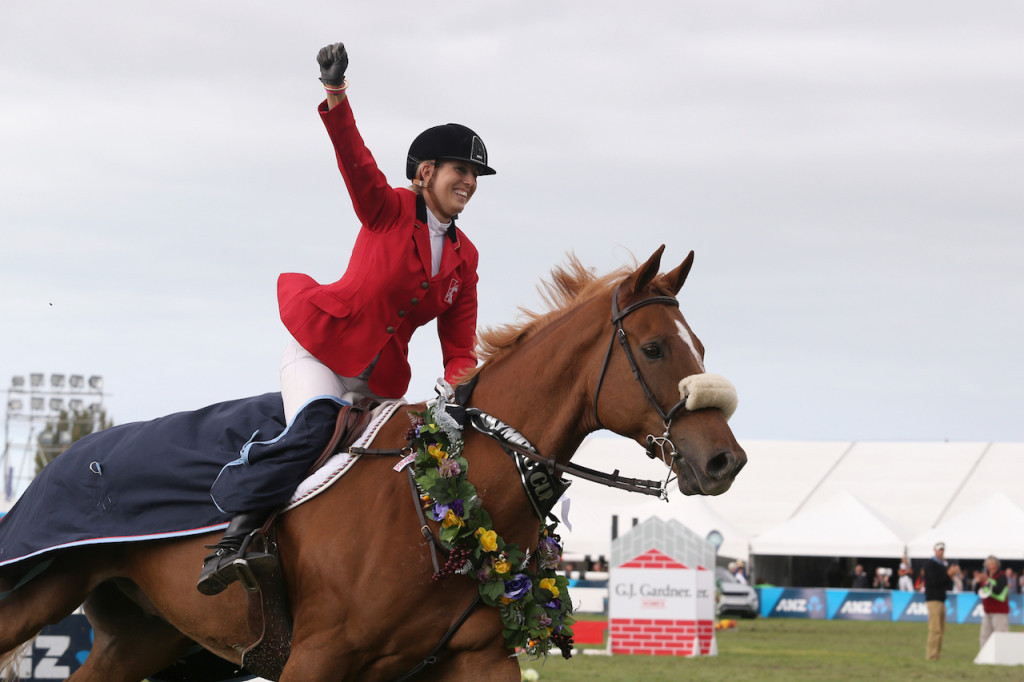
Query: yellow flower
[[549, 585], [488, 540], [506, 600], [436, 451], [501, 566], [452, 519]]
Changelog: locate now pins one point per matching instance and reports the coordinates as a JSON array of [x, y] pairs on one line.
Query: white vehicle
[[734, 596]]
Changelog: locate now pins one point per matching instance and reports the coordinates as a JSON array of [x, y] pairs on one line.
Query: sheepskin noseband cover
[[709, 390]]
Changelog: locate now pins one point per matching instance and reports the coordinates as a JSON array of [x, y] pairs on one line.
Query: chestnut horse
[[358, 570]]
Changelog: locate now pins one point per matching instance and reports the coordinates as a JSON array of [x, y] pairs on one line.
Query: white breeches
[[304, 378]]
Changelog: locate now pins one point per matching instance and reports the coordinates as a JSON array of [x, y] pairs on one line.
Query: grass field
[[790, 649]]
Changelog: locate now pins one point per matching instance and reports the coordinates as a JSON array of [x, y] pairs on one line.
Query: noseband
[[657, 446]]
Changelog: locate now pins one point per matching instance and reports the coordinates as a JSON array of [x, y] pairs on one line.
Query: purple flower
[[555, 604], [449, 468], [440, 511], [517, 587], [457, 507], [549, 552], [543, 620]]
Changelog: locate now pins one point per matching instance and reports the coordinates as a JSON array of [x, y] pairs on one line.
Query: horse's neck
[[544, 389]]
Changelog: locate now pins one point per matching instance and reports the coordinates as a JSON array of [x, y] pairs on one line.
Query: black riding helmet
[[450, 141]]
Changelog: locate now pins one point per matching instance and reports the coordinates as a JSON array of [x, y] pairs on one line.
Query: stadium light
[[39, 400]]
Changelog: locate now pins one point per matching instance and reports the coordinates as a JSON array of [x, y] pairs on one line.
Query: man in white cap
[[937, 580]]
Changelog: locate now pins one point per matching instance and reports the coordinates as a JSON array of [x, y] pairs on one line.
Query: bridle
[[516, 445], [661, 446]]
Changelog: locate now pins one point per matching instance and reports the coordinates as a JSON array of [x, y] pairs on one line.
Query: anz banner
[[833, 604], [58, 650]]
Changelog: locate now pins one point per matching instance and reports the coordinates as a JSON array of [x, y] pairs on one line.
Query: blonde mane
[[570, 285]]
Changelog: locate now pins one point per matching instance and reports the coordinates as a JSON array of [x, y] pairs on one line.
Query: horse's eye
[[651, 351]]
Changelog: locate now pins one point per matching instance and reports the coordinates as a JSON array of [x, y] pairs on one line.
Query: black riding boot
[[220, 568]]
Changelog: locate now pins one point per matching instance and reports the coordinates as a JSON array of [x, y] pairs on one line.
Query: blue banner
[[786, 602], [58, 650], [859, 605], [836, 604]]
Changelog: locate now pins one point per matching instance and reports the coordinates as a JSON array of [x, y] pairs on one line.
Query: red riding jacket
[[386, 292]]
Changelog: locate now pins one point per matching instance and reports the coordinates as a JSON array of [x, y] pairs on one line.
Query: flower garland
[[534, 605]]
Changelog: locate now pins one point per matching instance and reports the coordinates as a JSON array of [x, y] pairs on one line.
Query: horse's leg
[[129, 644], [46, 599]]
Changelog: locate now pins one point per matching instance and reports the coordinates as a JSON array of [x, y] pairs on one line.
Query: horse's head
[[653, 386]]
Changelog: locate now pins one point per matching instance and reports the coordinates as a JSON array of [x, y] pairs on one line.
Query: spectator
[[958, 577], [937, 579], [919, 582], [881, 581], [994, 594], [906, 576], [741, 572], [860, 579], [1011, 580]]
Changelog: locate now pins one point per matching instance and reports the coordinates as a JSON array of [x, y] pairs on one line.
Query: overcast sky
[[848, 174]]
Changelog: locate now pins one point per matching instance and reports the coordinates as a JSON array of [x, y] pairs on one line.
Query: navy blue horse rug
[[183, 474]]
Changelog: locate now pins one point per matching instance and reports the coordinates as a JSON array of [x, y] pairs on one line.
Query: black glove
[[333, 61]]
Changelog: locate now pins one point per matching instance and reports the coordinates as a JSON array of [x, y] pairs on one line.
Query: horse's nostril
[[721, 465]]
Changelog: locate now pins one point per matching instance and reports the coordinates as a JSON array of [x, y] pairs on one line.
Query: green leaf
[[465, 489]]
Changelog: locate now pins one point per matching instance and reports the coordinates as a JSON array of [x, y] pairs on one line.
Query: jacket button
[[390, 329], [401, 313], [415, 300], [424, 285]]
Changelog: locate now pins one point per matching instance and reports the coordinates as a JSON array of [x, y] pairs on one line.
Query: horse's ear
[[646, 273], [674, 280]]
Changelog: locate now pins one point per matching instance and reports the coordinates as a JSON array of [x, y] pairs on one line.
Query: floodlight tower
[[35, 401]]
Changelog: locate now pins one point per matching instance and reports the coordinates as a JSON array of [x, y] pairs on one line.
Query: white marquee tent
[[839, 526], [903, 491], [992, 526]]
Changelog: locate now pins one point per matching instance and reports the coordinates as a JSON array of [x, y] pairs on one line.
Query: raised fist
[[333, 61]]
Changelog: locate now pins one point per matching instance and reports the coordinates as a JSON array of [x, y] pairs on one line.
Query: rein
[[516, 446]]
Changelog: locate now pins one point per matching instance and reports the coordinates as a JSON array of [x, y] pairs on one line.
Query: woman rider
[[410, 264]]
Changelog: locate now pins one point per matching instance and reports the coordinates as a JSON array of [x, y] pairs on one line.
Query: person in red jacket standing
[[410, 265], [994, 593]]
